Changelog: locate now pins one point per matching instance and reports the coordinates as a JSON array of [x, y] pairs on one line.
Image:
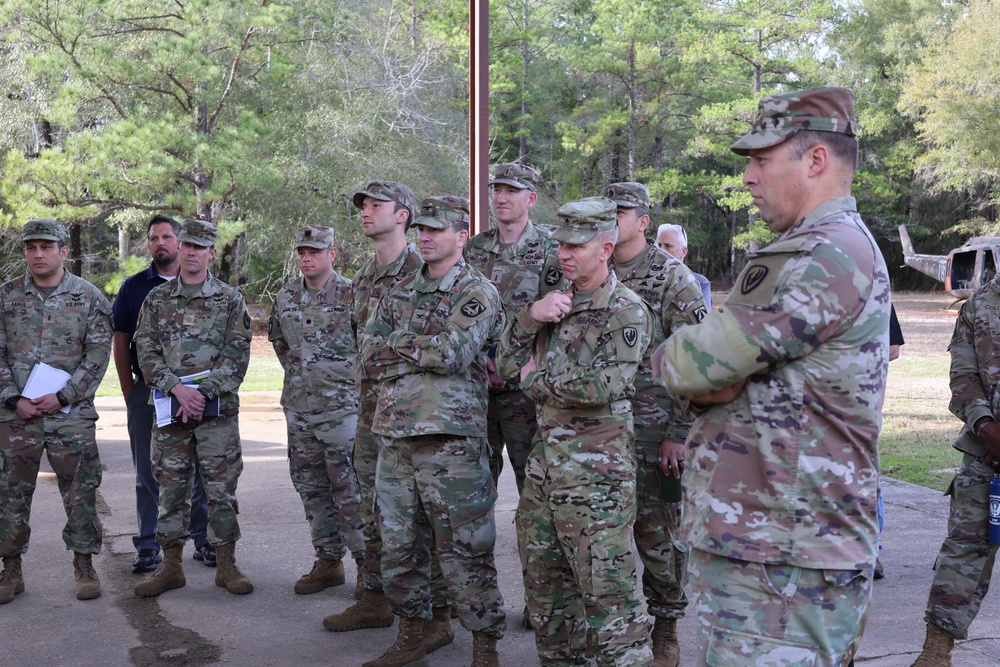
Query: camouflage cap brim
[[359, 197], [509, 181], [780, 117], [572, 235]]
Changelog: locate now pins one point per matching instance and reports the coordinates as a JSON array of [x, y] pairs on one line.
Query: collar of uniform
[[396, 265], [530, 233], [600, 298], [303, 291], [210, 287], [650, 257], [816, 216], [63, 285], [424, 283]]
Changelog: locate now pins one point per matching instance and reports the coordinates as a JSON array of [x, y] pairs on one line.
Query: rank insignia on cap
[[473, 308], [753, 278], [631, 335]]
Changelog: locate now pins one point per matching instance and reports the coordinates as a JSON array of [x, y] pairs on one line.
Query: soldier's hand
[[553, 307], [27, 410], [191, 400], [672, 458], [528, 367], [496, 382], [725, 395], [990, 435], [46, 405]]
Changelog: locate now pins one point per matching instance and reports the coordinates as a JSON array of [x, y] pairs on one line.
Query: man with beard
[[161, 233]]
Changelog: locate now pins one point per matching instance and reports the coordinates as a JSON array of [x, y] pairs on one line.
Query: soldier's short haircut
[[843, 146], [676, 229], [607, 236], [160, 219]]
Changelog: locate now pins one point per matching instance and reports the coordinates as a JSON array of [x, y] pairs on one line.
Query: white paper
[[161, 402], [45, 379]]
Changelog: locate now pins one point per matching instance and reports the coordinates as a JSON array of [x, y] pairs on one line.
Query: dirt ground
[[927, 320]]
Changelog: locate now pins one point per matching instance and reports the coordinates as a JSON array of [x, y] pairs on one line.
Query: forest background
[[265, 116]]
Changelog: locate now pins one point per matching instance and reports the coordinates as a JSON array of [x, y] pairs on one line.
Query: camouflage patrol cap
[[827, 109], [314, 236], [579, 221], [43, 230], [628, 195], [386, 191], [519, 175], [198, 232], [444, 212]]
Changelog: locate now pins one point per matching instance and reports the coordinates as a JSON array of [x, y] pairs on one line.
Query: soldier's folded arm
[[465, 334], [614, 365], [969, 400], [96, 353], [379, 361], [234, 358], [8, 388], [748, 335]]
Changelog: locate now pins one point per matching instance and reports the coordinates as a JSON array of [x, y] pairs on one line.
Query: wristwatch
[[11, 402]]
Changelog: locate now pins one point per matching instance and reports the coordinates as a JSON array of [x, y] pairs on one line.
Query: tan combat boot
[[227, 574], [11, 579], [324, 574], [438, 632], [484, 650], [372, 611], [937, 649], [407, 650], [88, 586], [666, 650], [169, 576]]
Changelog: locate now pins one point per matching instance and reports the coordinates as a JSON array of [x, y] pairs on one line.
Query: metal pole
[[479, 113]]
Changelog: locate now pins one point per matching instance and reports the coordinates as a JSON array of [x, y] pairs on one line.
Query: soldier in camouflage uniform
[[662, 422], [312, 330], [427, 345], [194, 324], [520, 259], [50, 316], [386, 208], [965, 564], [782, 463], [577, 355]]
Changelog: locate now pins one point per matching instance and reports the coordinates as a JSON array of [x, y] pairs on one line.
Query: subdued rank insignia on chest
[[246, 319], [631, 336], [553, 276], [700, 312], [752, 279], [473, 308]]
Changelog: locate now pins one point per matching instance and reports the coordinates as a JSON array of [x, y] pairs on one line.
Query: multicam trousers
[[71, 445], [964, 566], [751, 614], [435, 493], [215, 445], [319, 462], [657, 522]]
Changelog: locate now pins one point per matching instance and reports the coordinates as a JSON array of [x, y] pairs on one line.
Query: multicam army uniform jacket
[[975, 373], [523, 272], [211, 331], [671, 291], [788, 471], [426, 344], [70, 330], [586, 366], [314, 339]]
